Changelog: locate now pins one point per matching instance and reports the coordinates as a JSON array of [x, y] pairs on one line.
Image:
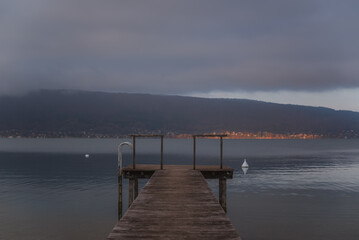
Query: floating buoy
[[87, 155], [245, 164]]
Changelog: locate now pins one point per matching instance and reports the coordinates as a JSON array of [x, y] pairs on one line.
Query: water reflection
[[295, 189]]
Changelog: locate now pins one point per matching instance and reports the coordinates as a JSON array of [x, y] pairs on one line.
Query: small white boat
[[87, 155], [245, 164]]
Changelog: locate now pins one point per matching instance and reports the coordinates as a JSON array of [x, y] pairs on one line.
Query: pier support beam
[[119, 204], [161, 152], [194, 152], [223, 193], [136, 188], [130, 191]]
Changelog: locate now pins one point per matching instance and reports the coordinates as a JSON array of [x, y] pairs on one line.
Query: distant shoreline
[[264, 136]]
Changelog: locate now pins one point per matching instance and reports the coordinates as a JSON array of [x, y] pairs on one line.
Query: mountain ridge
[[81, 113]]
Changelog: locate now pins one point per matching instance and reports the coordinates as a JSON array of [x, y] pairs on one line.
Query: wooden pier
[[176, 202]]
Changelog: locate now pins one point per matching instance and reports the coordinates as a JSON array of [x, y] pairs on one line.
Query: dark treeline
[[78, 113]]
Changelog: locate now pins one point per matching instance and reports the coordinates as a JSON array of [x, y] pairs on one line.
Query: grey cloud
[[165, 46]]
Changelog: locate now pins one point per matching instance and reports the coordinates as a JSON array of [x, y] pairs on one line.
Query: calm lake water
[[294, 189]]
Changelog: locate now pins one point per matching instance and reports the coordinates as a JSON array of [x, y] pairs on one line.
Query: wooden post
[[221, 153], [136, 187], [134, 152], [119, 209], [161, 152], [130, 191], [223, 193], [194, 152]]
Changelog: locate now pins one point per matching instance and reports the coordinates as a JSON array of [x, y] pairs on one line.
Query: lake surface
[[294, 189]]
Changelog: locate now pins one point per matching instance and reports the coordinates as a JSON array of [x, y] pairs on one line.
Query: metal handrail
[[119, 154], [119, 177]]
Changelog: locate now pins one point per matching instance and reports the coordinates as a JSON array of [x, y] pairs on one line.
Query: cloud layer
[[166, 46]]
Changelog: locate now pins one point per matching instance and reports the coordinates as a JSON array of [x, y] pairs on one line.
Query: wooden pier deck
[[176, 203]]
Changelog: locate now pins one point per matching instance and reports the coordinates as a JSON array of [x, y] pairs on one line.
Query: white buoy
[[245, 164], [87, 155]]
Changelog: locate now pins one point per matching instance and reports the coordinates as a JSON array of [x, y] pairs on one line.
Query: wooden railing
[[134, 136], [220, 136]]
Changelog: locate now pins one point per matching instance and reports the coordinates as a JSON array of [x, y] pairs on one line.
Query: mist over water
[[294, 189]]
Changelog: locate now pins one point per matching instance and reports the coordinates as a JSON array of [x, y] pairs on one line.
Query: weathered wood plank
[[208, 171], [176, 203]]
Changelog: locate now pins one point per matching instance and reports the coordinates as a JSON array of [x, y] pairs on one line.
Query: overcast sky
[[304, 52]]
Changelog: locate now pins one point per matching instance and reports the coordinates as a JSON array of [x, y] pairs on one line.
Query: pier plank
[[176, 203], [208, 171]]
